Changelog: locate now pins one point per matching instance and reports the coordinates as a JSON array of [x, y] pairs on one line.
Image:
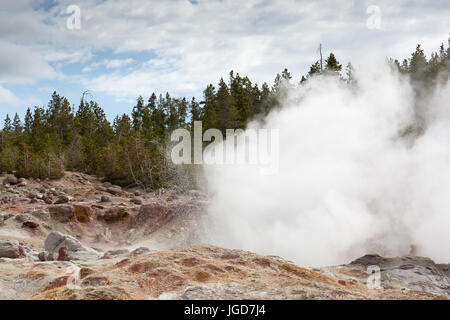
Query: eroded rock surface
[[106, 242], [400, 273], [194, 272]]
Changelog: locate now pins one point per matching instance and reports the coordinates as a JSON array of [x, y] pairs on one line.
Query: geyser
[[351, 180]]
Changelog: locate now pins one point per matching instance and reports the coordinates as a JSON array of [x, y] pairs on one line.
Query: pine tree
[[225, 109], [302, 80], [195, 111], [6, 132], [60, 118], [405, 66], [171, 112], [17, 125], [434, 66], [104, 132], [269, 99], [256, 106], [286, 75], [277, 83], [209, 106], [349, 71], [122, 127], [182, 109], [7, 126], [314, 69], [38, 129], [418, 64], [152, 103], [28, 121], [442, 52], [140, 111], [241, 91], [158, 118], [265, 91], [332, 66], [148, 124], [85, 119]]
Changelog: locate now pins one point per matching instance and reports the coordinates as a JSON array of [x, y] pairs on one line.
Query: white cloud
[[20, 63], [76, 56], [8, 97], [197, 43], [109, 64], [117, 63]]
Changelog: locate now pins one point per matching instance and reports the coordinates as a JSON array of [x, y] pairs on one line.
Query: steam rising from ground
[[349, 182]]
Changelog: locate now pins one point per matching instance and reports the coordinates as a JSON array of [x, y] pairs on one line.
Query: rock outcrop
[[401, 273], [83, 213], [62, 213], [114, 214], [11, 249], [151, 214], [75, 250]]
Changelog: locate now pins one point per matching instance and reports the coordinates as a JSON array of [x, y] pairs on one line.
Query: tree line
[[133, 149]]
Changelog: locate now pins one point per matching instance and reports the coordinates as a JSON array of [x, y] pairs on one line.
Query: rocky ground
[[79, 238]]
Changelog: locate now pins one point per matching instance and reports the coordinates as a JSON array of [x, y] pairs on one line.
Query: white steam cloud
[[349, 182]]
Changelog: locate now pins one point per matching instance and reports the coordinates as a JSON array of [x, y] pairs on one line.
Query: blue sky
[[124, 49]]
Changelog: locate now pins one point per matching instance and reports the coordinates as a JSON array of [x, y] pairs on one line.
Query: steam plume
[[351, 179]]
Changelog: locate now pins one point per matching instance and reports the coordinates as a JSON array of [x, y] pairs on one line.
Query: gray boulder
[[105, 199], [11, 249], [55, 240], [107, 184], [115, 190], [62, 199], [11, 180]]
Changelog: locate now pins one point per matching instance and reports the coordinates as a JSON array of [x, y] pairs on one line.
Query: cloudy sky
[[123, 49]]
